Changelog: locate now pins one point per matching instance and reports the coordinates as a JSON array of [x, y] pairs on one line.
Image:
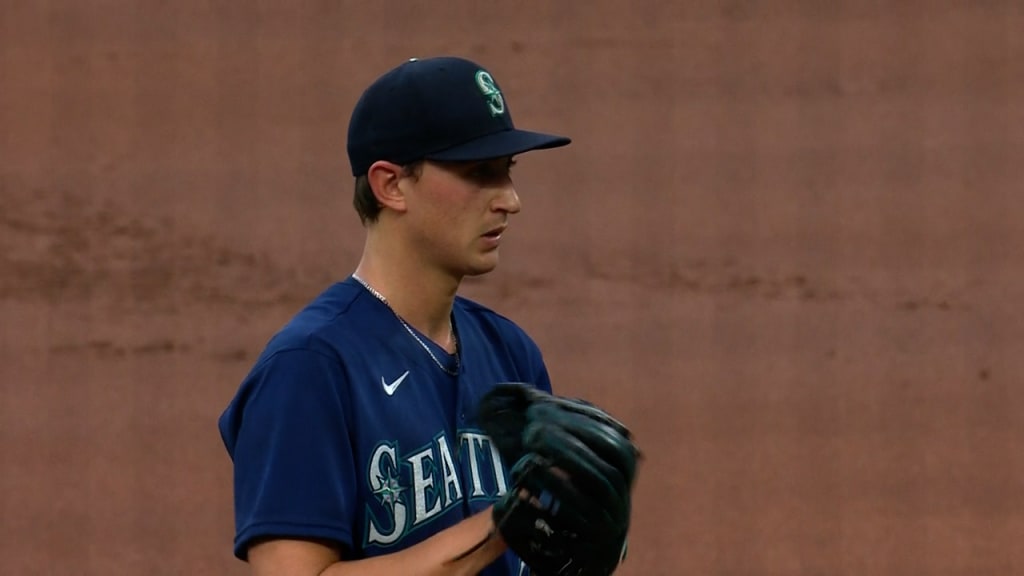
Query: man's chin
[[482, 268]]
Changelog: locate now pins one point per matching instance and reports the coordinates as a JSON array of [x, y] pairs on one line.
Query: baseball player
[[355, 438]]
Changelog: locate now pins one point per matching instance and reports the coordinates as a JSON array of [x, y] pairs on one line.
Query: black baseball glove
[[567, 511]]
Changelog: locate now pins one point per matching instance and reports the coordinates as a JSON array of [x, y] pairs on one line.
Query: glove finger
[[587, 472], [604, 440], [585, 408], [501, 415]]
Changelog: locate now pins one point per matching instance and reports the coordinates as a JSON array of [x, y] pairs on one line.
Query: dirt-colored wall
[[787, 246]]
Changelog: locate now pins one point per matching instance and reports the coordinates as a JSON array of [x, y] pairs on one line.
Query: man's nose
[[507, 200]]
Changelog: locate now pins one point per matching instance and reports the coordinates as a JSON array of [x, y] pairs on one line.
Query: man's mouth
[[495, 232]]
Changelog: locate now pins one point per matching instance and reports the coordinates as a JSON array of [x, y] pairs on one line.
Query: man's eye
[[489, 171]]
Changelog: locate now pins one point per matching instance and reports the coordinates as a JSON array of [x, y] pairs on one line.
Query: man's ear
[[384, 178]]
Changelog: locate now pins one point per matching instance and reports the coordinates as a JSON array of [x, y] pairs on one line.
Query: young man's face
[[458, 211]]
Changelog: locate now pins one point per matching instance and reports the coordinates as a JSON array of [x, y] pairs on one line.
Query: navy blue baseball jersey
[[346, 429]]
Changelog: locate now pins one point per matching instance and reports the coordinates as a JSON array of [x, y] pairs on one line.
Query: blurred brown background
[[787, 246]]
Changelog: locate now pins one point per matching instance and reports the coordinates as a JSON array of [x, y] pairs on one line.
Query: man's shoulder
[[494, 322], [328, 322], [483, 313], [507, 340]]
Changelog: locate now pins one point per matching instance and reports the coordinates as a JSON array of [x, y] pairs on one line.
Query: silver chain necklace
[[412, 332]]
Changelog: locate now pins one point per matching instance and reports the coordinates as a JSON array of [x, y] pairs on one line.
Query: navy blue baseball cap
[[442, 108]]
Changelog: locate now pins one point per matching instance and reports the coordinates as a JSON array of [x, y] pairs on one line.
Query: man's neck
[[420, 295]]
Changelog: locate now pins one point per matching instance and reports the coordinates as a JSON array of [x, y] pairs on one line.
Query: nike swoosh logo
[[389, 389]]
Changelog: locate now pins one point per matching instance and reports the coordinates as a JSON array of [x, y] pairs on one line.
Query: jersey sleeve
[[286, 432]]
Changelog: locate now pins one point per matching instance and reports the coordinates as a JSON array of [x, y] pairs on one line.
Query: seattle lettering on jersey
[[431, 483]]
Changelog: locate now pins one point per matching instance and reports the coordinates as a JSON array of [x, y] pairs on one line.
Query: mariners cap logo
[[489, 89]]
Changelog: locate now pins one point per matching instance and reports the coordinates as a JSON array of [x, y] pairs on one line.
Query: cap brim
[[499, 144]]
